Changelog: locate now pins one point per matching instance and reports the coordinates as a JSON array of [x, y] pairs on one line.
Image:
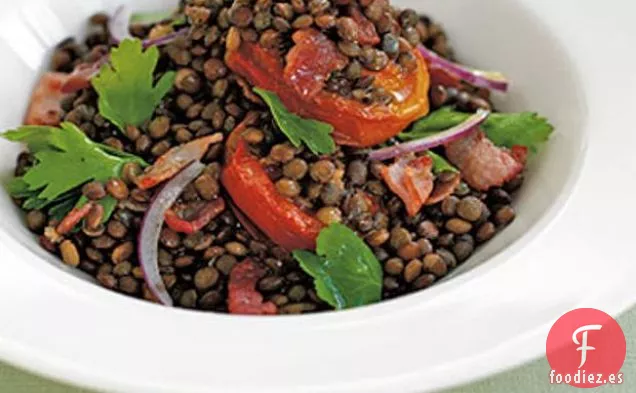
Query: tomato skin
[[355, 124], [254, 193]]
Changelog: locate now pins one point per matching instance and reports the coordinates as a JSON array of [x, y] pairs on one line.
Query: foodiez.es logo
[[586, 348]]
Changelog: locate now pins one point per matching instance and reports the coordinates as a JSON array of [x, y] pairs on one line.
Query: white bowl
[[570, 60]]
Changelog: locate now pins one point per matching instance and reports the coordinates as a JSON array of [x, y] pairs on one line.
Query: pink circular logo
[[586, 348]]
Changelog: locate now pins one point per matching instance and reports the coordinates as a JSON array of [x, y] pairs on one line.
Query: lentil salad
[[268, 157]]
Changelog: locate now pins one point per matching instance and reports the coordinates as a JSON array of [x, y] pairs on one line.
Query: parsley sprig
[[346, 273], [126, 87], [65, 159], [503, 129]]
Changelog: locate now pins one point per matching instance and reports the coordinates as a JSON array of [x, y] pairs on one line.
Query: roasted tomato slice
[[355, 123], [254, 193]]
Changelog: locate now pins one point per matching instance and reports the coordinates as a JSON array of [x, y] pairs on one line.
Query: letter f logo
[[583, 344]]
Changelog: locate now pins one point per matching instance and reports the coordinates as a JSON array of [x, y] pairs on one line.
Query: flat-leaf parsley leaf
[[440, 164], [346, 273], [315, 134], [127, 92]]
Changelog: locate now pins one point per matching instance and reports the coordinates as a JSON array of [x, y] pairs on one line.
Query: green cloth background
[[531, 378]]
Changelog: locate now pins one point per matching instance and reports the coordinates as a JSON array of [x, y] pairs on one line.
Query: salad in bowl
[[268, 157]]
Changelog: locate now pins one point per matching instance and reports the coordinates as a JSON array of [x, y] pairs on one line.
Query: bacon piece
[[175, 160], [411, 180], [45, 108], [73, 218], [482, 164], [520, 153], [367, 35], [311, 61], [81, 76], [443, 190], [243, 298], [204, 216]]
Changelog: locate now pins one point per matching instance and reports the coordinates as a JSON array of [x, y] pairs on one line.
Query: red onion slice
[[486, 79], [166, 39], [119, 24], [148, 244], [247, 224], [419, 145]]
